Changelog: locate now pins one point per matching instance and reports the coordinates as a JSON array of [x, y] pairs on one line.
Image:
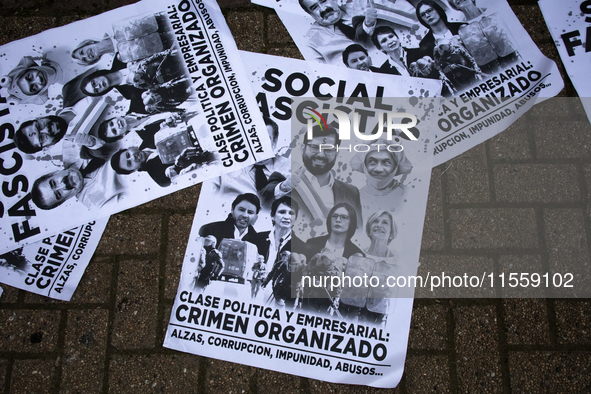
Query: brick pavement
[[519, 200]]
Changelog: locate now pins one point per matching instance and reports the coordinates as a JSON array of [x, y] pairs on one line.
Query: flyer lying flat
[[568, 22], [119, 109], [54, 266], [477, 49], [243, 294]]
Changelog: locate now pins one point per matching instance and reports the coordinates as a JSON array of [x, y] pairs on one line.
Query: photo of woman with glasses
[[328, 257], [341, 223], [433, 17]]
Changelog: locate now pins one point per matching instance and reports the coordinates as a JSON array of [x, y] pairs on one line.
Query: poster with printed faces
[[262, 237], [569, 23], [477, 49], [110, 112]]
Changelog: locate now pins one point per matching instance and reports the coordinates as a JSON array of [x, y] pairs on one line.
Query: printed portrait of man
[[53, 189], [355, 56], [317, 189], [35, 135], [93, 185], [335, 28], [239, 223]]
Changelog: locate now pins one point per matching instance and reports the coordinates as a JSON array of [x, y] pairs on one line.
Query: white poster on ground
[[53, 266], [110, 112], [476, 48], [569, 23], [247, 293]]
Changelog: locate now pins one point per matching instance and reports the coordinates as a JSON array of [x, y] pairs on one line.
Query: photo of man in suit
[[336, 27], [317, 189], [239, 223]]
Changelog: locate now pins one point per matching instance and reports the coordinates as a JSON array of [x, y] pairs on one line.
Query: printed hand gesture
[[371, 14], [285, 186], [85, 139]]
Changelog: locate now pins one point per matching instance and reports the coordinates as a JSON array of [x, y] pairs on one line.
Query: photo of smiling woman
[[399, 58], [328, 256], [29, 81], [385, 173], [279, 251], [381, 229]]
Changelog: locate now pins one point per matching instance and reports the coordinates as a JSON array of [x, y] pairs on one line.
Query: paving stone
[[572, 321], [564, 140], [536, 183], [428, 327], [577, 111], [67, 19], [587, 171], [15, 28], [134, 324], [179, 227], [232, 3], [521, 264], [31, 298], [513, 143], [550, 372], [95, 285], [493, 228], [319, 387], [477, 344], [162, 373], [532, 20], [568, 274], [555, 109], [526, 321], [32, 376], [222, 376], [93, 7], [183, 199], [32, 331], [112, 4], [131, 234], [15, 3], [433, 236], [564, 229], [291, 52], [446, 276], [270, 381], [549, 50], [427, 374], [9, 294], [166, 318], [277, 32], [467, 177], [3, 372], [246, 28], [567, 249], [85, 351]]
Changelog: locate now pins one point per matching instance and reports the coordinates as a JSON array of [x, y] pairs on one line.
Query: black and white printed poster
[[113, 111], [262, 237], [569, 23], [478, 49], [53, 267]]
